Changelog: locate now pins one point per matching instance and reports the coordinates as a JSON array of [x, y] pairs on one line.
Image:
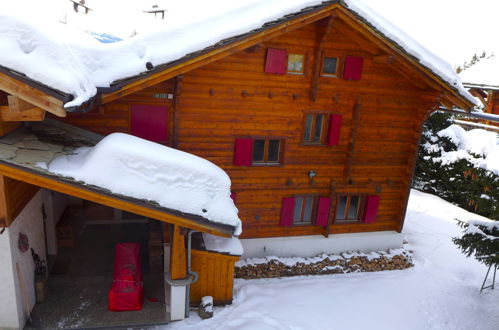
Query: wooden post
[[178, 255], [321, 37], [3, 203]]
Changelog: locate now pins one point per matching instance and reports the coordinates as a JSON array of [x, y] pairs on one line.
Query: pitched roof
[[76, 64]]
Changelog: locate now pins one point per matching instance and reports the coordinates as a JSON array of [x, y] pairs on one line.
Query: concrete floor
[[82, 276]]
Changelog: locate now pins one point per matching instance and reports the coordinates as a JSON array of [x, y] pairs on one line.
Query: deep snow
[[67, 58], [131, 166], [442, 291]]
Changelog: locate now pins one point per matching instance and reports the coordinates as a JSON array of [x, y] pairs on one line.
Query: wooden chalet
[[316, 118]]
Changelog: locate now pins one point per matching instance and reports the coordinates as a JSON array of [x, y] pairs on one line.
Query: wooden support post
[[19, 110], [178, 255], [332, 196], [353, 137], [323, 31], [176, 106], [3, 203]]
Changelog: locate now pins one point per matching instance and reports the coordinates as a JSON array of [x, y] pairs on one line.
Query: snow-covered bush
[[480, 238], [460, 166]]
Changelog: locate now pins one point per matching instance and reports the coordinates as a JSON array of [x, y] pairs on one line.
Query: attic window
[[296, 63], [330, 66]]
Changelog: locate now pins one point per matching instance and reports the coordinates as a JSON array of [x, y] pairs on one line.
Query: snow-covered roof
[[124, 166], [69, 60], [483, 74]]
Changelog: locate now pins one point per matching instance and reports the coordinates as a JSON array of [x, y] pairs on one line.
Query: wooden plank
[[30, 114], [101, 198], [32, 95], [178, 255], [321, 36], [3, 203]]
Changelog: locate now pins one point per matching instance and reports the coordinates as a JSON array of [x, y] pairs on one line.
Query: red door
[[149, 122]]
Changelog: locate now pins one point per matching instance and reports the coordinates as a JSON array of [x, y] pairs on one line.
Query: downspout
[[194, 275], [191, 276]]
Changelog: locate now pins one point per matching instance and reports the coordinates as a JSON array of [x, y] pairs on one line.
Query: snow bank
[[72, 61], [485, 72], [230, 245], [479, 142], [134, 167]]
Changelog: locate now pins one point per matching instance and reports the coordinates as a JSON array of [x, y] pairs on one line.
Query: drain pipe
[[191, 276], [194, 275]]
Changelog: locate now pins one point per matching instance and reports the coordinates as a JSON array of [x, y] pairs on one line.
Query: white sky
[[452, 29]]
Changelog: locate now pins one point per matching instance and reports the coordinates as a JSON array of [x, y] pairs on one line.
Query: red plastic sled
[[127, 292]]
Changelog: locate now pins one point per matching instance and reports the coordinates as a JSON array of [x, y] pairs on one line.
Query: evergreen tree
[[480, 239]]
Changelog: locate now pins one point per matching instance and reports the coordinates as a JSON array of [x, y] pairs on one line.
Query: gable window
[[296, 63], [348, 208], [330, 66], [266, 151], [315, 128]]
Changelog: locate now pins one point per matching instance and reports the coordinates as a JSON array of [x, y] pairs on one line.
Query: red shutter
[[277, 61], [149, 122], [333, 136], [287, 211], [323, 211], [352, 69], [371, 210], [243, 152]]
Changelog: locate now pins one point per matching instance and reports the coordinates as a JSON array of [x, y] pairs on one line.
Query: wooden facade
[[234, 97]]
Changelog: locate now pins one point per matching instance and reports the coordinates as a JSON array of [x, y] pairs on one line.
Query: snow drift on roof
[[483, 73], [73, 62], [174, 179]]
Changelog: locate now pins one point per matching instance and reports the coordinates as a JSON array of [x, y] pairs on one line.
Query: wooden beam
[[322, 33], [383, 59], [31, 114], [220, 53], [178, 255], [353, 138], [479, 94], [45, 181], [31, 95]]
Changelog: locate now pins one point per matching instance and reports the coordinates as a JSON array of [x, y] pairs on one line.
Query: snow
[[479, 142], [442, 291], [67, 58], [230, 245], [174, 179], [485, 72]]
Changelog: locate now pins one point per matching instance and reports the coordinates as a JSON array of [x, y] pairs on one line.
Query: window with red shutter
[[352, 68], [277, 61], [243, 152], [287, 210], [371, 210], [333, 137]]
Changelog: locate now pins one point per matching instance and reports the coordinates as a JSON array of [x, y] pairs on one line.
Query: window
[[296, 63], [315, 127], [266, 151], [348, 208], [305, 209], [329, 66]]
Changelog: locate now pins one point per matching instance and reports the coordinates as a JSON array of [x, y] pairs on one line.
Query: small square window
[[305, 210], [266, 151], [315, 128], [330, 66], [296, 63], [348, 208]]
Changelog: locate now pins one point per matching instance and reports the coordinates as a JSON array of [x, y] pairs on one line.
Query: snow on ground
[[442, 291], [484, 144], [130, 166], [65, 57]]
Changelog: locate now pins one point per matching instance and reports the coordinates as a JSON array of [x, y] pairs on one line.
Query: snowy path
[[441, 292]]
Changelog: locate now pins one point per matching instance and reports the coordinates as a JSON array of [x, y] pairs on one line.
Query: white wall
[[311, 246], [8, 307]]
